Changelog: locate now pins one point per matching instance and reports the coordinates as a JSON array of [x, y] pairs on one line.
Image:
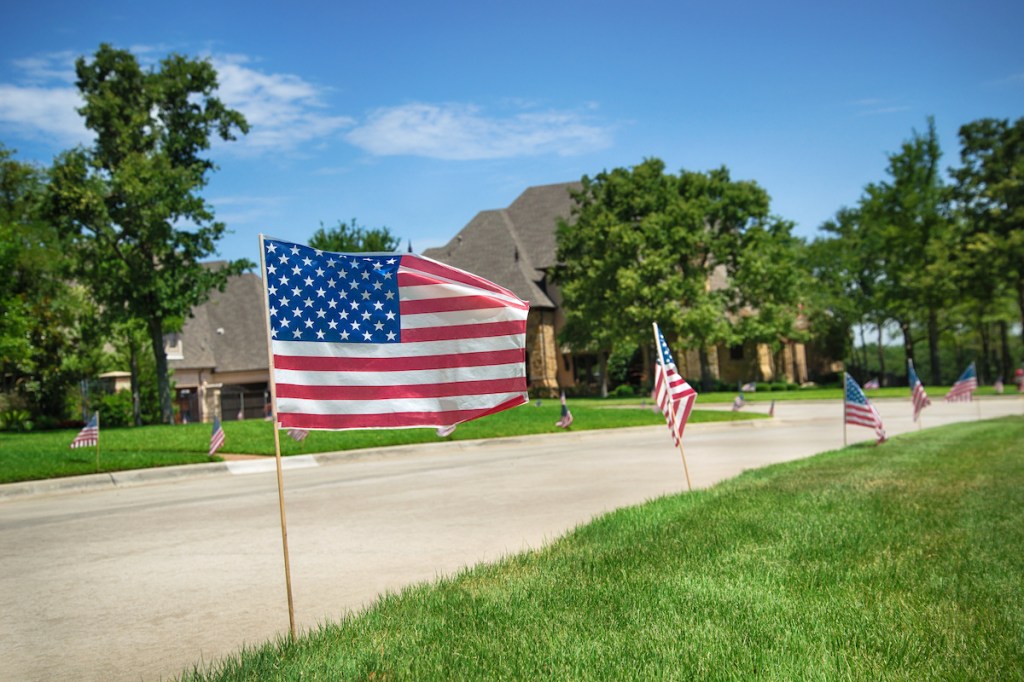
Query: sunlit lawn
[[46, 454], [896, 562]]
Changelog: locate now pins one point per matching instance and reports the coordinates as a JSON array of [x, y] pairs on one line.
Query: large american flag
[[90, 433], [965, 386], [917, 394], [859, 411], [674, 396], [378, 341]]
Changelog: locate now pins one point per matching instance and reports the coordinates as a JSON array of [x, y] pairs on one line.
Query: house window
[[736, 352]]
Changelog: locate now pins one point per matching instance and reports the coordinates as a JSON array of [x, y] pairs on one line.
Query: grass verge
[[870, 563], [35, 456]]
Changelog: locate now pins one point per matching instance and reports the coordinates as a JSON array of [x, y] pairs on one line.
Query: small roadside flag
[[738, 402], [298, 435], [217, 437], [917, 394], [771, 409], [566, 420], [90, 433], [872, 383], [749, 387], [964, 388], [445, 431], [998, 386], [859, 411]]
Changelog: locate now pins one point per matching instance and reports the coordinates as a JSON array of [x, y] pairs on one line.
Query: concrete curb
[[136, 477]]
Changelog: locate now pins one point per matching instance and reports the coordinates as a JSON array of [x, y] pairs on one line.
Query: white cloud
[[463, 132], [284, 111]]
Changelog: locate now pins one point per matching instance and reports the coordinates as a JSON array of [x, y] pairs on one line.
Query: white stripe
[[315, 349], [392, 405], [457, 317], [448, 287], [407, 377]]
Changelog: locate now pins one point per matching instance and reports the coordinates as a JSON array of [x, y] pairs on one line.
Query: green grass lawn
[[898, 562], [34, 456]]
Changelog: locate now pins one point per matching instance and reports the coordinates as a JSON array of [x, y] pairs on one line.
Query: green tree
[[48, 339], [913, 234], [130, 205], [352, 238], [647, 246], [990, 195]]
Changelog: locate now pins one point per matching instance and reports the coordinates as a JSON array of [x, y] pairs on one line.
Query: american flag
[[965, 386], [367, 341], [738, 402], [859, 411], [298, 435], [872, 383], [216, 437], [566, 420], [90, 433], [674, 396], [917, 394]]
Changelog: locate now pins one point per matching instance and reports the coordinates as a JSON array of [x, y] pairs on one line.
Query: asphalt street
[[140, 577]]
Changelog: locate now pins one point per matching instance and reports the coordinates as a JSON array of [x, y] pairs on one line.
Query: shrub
[[13, 419], [116, 408], [622, 391]]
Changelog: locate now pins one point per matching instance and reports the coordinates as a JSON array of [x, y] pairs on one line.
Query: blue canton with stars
[[331, 297]]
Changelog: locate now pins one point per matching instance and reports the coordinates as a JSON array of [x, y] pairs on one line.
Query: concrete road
[[142, 581]]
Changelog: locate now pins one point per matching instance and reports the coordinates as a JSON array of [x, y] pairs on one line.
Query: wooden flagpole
[[97, 441], [844, 409], [660, 367], [277, 446]]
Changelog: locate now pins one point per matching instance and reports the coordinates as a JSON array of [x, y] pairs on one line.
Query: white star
[[309, 323], [389, 295], [272, 269], [319, 271], [297, 312], [366, 274], [387, 275], [391, 336], [378, 325], [367, 336], [366, 314], [309, 281], [284, 280], [391, 261], [284, 321], [308, 302], [319, 333], [297, 333], [377, 305], [295, 250], [391, 315], [331, 282], [353, 285], [331, 262], [306, 261], [332, 324], [377, 286], [344, 336], [272, 290], [320, 313], [282, 258], [296, 291], [320, 292], [284, 302], [355, 305], [366, 295], [273, 312], [343, 315], [332, 304], [271, 247], [296, 270], [355, 324]]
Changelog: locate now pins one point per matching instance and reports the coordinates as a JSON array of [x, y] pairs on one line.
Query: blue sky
[[416, 115]]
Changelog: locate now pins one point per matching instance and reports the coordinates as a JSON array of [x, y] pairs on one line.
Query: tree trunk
[[705, 369], [604, 374], [983, 371], [881, 357], [1005, 364], [933, 346], [163, 384], [133, 365], [908, 341], [1020, 304]]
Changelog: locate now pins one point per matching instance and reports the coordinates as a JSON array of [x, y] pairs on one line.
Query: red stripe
[[397, 420], [400, 364], [464, 331], [455, 388], [442, 305], [441, 270]]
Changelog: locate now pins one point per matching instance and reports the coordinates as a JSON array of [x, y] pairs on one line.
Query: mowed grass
[[34, 456], [898, 562]]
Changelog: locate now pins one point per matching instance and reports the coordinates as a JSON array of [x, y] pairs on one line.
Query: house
[[220, 363], [219, 359], [517, 247]]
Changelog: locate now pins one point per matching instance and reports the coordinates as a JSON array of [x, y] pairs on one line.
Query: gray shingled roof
[[513, 246], [228, 333]]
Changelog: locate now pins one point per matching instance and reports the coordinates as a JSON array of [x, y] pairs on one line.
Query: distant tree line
[[937, 255]]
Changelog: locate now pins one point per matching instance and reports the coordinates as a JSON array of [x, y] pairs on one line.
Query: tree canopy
[[130, 205], [353, 238]]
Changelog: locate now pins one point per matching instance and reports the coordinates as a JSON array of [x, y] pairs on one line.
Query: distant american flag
[[90, 433], [674, 396], [366, 341], [965, 386], [216, 436], [738, 402], [917, 395], [298, 435], [859, 411], [872, 384], [565, 421]]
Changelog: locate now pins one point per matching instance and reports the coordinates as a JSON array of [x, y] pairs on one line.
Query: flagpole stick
[[672, 414], [277, 446], [844, 409], [97, 442]]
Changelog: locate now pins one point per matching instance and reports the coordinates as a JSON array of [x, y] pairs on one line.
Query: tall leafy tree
[[649, 246], [130, 205], [990, 195], [353, 238], [48, 338], [910, 216]]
